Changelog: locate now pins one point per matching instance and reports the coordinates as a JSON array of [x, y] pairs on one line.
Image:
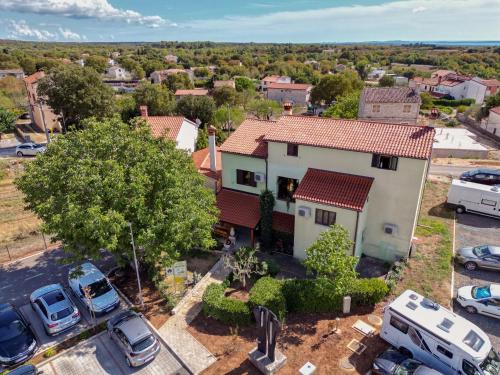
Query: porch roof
[[283, 222], [238, 208]]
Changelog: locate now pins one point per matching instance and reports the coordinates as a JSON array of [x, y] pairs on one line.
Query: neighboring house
[[122, 85], [376, 74], [229, 83], [158, 76], [171, 59], [16, 73], [457, 143], [389, 104], [80, 62], [208, 162], [368, 177], [492, 86], [115, 54], [179, 94], [117, 72], [492, 124], [315, 64], [37, 108], [177, 128], [266, 81], [296, 93]]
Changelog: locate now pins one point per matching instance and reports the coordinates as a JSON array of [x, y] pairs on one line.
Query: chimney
[[144, 110], [212, 149], [287, 108]]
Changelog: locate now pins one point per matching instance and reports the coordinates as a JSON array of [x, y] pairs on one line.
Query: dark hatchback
[[482, 176], [17, 340]]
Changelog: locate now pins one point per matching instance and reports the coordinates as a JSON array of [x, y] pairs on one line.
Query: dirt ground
[[466, 162], [304, 337]]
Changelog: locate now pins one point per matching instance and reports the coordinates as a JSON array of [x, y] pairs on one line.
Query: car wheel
[[406, 352], [470, 266], [460, 210], [471, 310], [129, 364], [20, 154]]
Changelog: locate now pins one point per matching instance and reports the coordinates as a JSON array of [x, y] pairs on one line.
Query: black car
[[482, 176], [17, 340], [25, 370], [393, 361]]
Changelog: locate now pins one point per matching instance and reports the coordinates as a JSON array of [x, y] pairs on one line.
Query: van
[[467, 196], [436, 336]]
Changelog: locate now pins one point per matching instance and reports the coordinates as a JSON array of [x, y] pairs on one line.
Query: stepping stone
[[375, 320], [346, 365]]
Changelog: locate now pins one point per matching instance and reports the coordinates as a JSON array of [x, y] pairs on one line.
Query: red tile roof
[[409, 141], [165, 126], [201, 159], [289, 86], [390, 95], [238, 208], [247, 139], [334, 189], [283, 222], [194, 92], [495, 110], [491, 82], [34, 77]]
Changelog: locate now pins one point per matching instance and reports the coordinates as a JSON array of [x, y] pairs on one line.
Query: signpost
[[177, 270]]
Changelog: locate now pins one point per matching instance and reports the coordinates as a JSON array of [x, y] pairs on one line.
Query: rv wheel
[[470, 266], [471, 310], [406, 352], [460, 209]]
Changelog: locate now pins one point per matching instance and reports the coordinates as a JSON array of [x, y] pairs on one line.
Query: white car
[[29, 149], [480, 299]]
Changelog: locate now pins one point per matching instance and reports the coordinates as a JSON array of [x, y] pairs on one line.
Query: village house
[[295, 93], [171, 59], [492, 86], [179, 94], [177, 128], [375, 74], [16, 73], [228, 83], [208, 162], [41, 114], [492, 123], [158, 76], [117, 72], [266, 81], [389, 104], [366, 176]]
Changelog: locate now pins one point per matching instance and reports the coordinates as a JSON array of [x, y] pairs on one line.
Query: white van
[[468, 196], [437, 337]]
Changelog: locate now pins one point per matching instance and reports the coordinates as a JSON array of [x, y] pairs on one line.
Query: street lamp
[[136, 266]]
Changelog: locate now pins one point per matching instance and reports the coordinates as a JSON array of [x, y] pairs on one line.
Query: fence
[[25, 245]]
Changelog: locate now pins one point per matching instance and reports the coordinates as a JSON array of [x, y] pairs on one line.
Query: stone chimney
[[287, 108], [144, 110], [212, 149]]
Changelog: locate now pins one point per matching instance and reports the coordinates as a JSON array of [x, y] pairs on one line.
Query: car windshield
[[479, 292], [491, 365], [62, 314], [99, 288], [407, 367], [481, 251], [53, 297], [143, 344], [14, 329], [37, 146]]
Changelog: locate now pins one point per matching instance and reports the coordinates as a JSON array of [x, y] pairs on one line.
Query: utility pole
[[43, 119], [136, 266]]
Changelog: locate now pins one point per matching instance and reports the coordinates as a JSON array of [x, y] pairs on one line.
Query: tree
[[427, 102], [332, 86], [115, 174], [225, 96], [387, 81], [264, 109], [266, 221], [244, 263], [132, 66], [327, 256], [491, 102], [98, 63], [179, 81], [227, 118], [7, 121], [196, 107], [159, 100], [243, 83], [76, 93], [126, 107], [346, 107]]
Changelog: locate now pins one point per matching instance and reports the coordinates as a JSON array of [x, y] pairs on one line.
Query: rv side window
[[469, 368], [444, 351], [396, 323], [488, 202]]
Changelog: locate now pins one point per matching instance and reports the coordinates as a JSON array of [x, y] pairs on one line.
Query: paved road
[[447, 170], [7, 151], [21, 277]]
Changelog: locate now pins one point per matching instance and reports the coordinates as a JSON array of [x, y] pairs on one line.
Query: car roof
[[89, 274], [23, 370], [495, 290], [494, 249], [486, 170], [8, 313], [44, 290], [134, 328]]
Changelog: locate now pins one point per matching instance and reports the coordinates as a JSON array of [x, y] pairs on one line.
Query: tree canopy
[[264, 109], [387, 81], [225, 96], [91, 183], [332, 86], [7, 120], [345, 107], [159, 100], [243, 83], [178, 81], [196, 107]]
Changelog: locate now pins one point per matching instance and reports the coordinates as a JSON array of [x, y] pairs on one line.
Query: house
[[158, 76], [492, 86], [376, 74], [208, 162], [16, 73], [389, 104], [296, 93], [42, 116], [273, 79], [80, 62], [229, 83], [115, 54], [457, 143], [492, 124], [366, 176], [171, 59], [117, 72], [315, 64], [179, 94], [176, 128]]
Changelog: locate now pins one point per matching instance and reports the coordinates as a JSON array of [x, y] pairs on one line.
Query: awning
[[238, 208], [283, 222]]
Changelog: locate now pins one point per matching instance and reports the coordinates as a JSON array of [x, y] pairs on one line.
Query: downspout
[[355, 234]]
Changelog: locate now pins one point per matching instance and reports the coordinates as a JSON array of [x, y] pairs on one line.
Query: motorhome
[[436, 336], [467, 196]]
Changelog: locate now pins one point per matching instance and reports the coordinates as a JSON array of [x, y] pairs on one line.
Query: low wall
[[460, 154], [475, 126]]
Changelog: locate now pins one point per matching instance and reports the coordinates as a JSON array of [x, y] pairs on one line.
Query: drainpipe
[[355, 234]]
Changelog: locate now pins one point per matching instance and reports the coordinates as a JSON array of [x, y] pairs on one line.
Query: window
[[292, 149], [399, 324], [324, 217], [385, 162], [245, 178], [469, 368], [42, 308], [407, 108], [488, 202], [376, 108], [444, 351], [286, 188]]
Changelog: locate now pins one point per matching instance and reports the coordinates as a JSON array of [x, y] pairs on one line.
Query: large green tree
[[7, 121], [91, 183], [264, 109], [345, 107], [225, 96], [76, 93], [244, 83], [332, 86], [196, 107], [228, 118], [387, 81], [98, 63], [178, 81], [159, 100]]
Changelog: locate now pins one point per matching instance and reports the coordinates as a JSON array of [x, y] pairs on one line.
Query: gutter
[[355, 234]]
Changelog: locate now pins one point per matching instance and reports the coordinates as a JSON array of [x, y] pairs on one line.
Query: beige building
[[389, 104], [36, 106], [295, 93], [367, 176], [493, 122]]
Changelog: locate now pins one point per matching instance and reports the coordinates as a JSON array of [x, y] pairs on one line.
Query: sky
[[283, 21]]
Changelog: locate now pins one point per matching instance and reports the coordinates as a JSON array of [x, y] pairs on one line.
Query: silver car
[[29, 149], [483, 256], [56, 311], [134, 338]]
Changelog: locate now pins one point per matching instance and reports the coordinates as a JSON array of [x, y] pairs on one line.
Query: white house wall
[[186, 139], [232, 162]]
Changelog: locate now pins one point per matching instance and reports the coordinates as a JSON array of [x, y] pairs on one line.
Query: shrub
[[311, 295], [273, 267], [365, 292], [50, 352], [227, 310], [453, 103], [461, 108], [268, 292]]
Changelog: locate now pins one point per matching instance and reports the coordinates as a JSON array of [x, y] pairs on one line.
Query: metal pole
[[44, 241], [136, 266], [43, 119], [8, 252]]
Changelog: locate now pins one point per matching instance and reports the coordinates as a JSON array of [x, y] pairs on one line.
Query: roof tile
[[288, 86], [390, 95], [238, 208], [165, 126], [248, 139]]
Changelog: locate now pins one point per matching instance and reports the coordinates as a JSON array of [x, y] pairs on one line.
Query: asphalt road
[[7, 151], [447, 170], [21, 277]]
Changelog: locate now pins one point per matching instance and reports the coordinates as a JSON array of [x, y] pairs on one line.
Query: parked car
[[25, 370], [17, 340], [483, 256], [482, 176], [29, 149], [55, 309], [480, 299], [134, 338], [393, 361], [103, 298]]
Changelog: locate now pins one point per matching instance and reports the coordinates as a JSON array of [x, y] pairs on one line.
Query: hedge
[[227, 310], [452, 102], [267, 292], [365, 292]]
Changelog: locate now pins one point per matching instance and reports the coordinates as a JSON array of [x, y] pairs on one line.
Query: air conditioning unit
[[390, 229], [304, 211], [260, 177]]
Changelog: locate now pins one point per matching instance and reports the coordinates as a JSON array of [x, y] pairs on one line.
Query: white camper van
[[437, 337], [468, 196]]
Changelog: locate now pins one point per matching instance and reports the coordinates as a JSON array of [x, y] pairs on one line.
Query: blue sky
[[250, 20]]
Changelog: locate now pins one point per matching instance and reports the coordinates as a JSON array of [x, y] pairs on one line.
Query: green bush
[[462, 108], [453, 103], [365, 292], [227, 310], [273, 267], [267, 292]]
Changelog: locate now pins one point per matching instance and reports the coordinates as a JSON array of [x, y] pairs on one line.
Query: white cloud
[[70, 35], [98, 9], [21, 30], [419, 9]]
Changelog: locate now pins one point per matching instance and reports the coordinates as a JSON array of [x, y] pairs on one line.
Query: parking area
[[473, 230], [99, 355]]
